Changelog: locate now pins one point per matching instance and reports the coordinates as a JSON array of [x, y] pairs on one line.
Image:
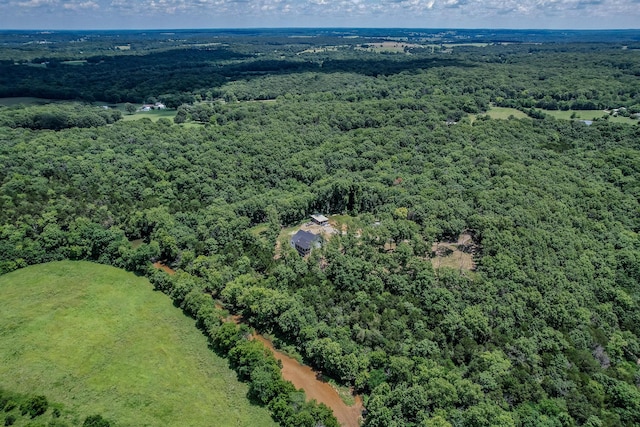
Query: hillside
[[99, 340]]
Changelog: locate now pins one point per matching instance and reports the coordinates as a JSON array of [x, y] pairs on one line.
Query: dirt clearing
[[458, 255]]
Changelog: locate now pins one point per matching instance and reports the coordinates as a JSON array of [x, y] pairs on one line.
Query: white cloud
[[80, 5], [379, 13], [337, 7], [36, 3]]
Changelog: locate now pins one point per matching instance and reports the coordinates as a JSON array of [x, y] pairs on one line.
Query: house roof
[[319, 218], [304, 239]]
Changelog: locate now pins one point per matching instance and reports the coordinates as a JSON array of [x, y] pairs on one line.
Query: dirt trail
[[304, 377], [164, 268]]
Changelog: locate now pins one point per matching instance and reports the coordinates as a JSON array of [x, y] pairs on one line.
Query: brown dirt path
[[164, 268], [304, 377]]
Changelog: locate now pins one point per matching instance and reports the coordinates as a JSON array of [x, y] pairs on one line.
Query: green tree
[[181, 114], [9, 420], [96, 421], [35, 406], [130, 108]]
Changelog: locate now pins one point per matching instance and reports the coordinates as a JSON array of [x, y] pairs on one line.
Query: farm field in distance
[[99, 340], [153, 115], [590, 115]]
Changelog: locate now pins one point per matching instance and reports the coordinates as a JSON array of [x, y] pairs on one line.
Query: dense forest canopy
[[394, 133]]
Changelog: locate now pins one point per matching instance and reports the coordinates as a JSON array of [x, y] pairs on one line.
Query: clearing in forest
[[337, 225], [612, 116], [457, 255], [153, 115], [389, 46], [99, 340], [502, 113]]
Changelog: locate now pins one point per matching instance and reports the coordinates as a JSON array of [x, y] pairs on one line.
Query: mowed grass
[[579, 114], [500, 113], [588, 115], [100, 341], [154, 115], [503, 113]]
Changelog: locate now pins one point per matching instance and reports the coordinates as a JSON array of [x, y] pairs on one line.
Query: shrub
[[35, 406], [8, 407], [96, 421]]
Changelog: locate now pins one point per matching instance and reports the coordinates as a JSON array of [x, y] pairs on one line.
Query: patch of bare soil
[[277, 253], [164, 268], [458, 255], [325, 231], [390, 246], [304, 377]]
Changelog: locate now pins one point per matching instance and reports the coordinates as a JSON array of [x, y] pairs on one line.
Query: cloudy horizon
[[177, 14]]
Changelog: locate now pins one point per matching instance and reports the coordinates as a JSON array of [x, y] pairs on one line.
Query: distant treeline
[[56, 117], [579, 76]]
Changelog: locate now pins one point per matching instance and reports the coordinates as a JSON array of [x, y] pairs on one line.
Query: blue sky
[[146, 14]]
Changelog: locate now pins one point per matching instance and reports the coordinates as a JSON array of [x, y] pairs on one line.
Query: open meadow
[[99, 340], [153, 115], [589, 115], [503, 113]]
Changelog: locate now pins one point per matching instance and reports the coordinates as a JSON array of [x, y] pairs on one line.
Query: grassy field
[[154, 115], [259, 229], [75, 62], [500, 113], [100, 341], [588, 115], [505, 113], [579, 115]]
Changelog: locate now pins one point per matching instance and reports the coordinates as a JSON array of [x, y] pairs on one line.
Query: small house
[[320, 220], [304, 241]]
